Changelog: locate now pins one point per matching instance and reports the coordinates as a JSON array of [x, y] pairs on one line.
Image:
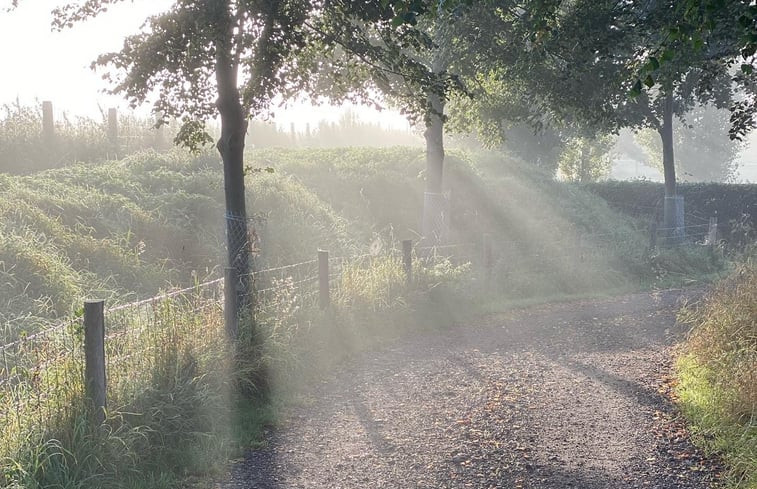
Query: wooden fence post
[[712, 236], [230, 305], [712, 232], [48, 123], [113, 127], [323, 279], [487, 255], [407, 259], [94, 359]]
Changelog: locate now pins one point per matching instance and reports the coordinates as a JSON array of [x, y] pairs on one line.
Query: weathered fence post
[[94, 358], [113, 127], [712, 236], [487, 255], [48, 124], [712, 232], [323, 279], [230, 305], [407, 259]]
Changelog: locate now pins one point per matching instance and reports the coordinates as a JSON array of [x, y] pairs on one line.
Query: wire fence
[[42, 375], [42, 381]]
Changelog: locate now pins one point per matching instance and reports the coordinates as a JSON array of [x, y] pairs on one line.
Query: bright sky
[[38, 64]]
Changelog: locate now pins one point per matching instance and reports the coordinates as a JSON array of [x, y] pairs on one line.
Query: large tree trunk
[[673, 208], [668, 157], [435, 219], [231, 147]]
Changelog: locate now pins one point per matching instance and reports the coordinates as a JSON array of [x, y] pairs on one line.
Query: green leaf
[[649, 81], [654, 63], [747, 68]]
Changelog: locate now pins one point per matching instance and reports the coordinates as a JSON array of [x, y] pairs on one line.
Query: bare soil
[[570, 395]]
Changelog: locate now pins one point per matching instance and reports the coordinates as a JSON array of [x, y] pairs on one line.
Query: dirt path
[[559, 396]]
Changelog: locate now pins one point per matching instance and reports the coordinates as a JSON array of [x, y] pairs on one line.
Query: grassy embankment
[[717, 374], [131, 227]]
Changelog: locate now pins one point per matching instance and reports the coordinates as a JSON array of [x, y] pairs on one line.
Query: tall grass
[[25, 149], [717, 372], [172, 398], [150, 220]]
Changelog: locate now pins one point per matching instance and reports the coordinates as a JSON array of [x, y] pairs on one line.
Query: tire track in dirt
[[557, 396]]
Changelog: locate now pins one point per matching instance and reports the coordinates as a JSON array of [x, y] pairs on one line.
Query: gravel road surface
[[568, 395]]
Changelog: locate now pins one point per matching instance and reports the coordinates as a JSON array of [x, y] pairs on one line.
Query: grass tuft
[[717, 374]]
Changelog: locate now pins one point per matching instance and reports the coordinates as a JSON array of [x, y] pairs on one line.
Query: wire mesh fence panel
[[456, 254], [147, 340], [285, 287], [41, 375], [686, 236], [41, 383]]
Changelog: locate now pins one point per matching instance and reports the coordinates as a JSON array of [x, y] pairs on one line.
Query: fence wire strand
[[41, 375]]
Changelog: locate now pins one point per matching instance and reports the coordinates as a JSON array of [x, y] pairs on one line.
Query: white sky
[[37, 64]]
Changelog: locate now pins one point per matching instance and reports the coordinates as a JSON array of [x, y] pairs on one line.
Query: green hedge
[[735, 205]]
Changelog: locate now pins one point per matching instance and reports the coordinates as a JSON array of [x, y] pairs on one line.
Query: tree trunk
[[668, 158], [434, 204], [231, 147], [673, 207]]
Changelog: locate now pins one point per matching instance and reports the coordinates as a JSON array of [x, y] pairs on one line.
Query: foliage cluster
[[347, 131], [568, 241], [717, 373], [586, 160], [124, 228]]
